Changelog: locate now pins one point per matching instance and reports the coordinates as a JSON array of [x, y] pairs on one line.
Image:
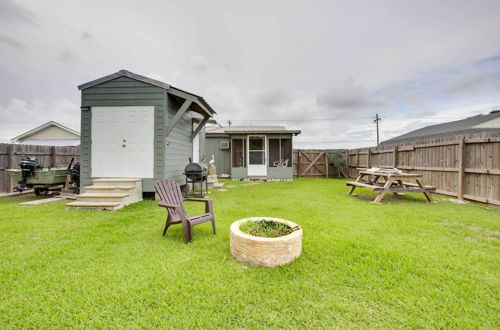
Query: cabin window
[[238, 152], [280, 152]]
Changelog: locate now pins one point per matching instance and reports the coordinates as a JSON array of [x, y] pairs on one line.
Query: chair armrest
[[197, 200], [208, 203]]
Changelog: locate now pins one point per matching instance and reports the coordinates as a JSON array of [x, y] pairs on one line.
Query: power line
[[339, 141], [333, 119]]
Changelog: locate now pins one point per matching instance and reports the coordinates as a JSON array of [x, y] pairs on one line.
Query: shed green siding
[[85, 147], [222, 156], [169, 161], [179, 147]]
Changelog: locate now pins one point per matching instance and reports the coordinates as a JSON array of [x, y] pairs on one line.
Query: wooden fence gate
[[311, 163]]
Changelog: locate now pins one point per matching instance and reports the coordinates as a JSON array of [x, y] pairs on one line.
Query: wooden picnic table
[[393, 182]]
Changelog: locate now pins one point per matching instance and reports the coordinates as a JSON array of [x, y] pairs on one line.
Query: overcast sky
[[325, 67]]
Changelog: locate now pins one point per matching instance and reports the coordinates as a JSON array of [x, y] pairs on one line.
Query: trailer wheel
[[41, 191]]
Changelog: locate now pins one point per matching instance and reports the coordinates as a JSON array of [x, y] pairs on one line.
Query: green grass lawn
[[404, 263]]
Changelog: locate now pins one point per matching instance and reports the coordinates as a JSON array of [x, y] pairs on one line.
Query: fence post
[[298, 163], [326, 163], [357, 160], [10, 163], [10, 154], [368, 158], [395, 158], [53, 156], [461, 168]]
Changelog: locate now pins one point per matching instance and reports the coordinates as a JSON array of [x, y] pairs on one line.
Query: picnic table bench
[[393, 182]]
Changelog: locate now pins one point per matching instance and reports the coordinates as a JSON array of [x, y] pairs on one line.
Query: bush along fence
[[47, 156], [320, 163], [464, 167]]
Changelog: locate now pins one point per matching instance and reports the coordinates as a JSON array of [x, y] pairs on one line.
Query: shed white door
[[122, 142], [257, 160]]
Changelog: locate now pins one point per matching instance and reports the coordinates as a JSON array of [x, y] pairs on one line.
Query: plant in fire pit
[[265, 241], [266, 228]]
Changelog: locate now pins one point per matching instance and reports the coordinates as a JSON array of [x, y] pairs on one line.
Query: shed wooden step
[[100, 195], [95, 205], [117, 180], [109, 187]]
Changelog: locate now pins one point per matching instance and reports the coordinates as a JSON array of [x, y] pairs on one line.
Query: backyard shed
[[251, 151], [137, 127]]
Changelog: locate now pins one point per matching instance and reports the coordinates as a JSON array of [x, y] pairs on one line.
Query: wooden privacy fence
[[47, 156], [467, 168]]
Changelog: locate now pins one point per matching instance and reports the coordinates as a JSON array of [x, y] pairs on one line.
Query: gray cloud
[[272, 98], [12, 13], [253, 64], [67, 56], [472, 83], [415, 98], [349, 95], [86, 36], [9, 41], [198, 64]]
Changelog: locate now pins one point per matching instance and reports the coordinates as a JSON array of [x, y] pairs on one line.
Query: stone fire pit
[[264, 251]]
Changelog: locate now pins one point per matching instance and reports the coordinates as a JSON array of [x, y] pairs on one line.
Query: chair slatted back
[[170, 192]]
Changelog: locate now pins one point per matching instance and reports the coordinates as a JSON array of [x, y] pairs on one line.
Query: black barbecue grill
[[196, 173]]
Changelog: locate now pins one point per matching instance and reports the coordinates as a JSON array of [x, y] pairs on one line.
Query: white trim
[[261, 169]]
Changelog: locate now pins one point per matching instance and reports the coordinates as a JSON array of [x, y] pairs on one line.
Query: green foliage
[[265, 228], [338, 158], [402, 264]]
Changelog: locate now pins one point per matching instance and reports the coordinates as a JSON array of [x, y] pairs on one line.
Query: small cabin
[[133, 126], [245, 152]]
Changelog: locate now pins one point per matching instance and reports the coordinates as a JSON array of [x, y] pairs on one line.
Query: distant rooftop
[[250, 130], [481, 123]]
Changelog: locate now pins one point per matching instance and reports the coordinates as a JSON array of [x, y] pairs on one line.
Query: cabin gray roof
[[481, 123], [250, 130], [154, 82]]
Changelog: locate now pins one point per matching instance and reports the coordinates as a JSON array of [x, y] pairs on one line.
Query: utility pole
[[229, 123], [376, 120]]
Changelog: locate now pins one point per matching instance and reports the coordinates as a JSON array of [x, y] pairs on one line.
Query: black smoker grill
[[196, 172]]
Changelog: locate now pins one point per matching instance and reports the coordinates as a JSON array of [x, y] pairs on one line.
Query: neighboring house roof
[[481, 123], [36, 130], [154, 82], [250, 130]]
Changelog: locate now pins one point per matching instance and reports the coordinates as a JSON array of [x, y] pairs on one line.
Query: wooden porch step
[[109, 187], [123, 182], [120, 195], [95, 205], [98, 197]]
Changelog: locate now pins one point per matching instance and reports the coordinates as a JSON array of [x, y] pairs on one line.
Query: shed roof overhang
[[198, 103]]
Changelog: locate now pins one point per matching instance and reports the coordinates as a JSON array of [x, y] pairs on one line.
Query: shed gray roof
[[154, 82], [481, 123], [250, 130]]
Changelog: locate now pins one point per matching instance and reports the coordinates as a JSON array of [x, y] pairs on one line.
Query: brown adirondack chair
[[172, 199]]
